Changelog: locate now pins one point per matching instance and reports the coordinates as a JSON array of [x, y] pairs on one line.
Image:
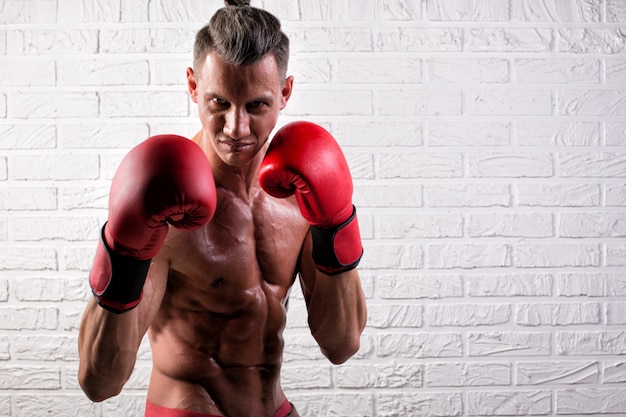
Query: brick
[[52, 42], [563, 71], [509, 343], [17, 258], [614, 372], [576, 225], [29, 377], [467, 195], [557, 314], [29, 318], [615, 71], [54, 105], [592, 102], [399, 10], [590, 284], [5, 406], [575, 11], [331, 39], [55, 167], [399, 287], [156, 40], [615, 11], [553, 373], [169, 72], [420, 345], [469, 134], [102, 135], [33, 11], [125, 405], [28, 198], [188, 11], [510, 225], [306, 377], [411, 225], [103, 72], [462, 255], [509, 285], [3, 105], [591, 40], [72, 228], [391, 375], [81, 11], [144, 104], [340, 404], [66, 405], [487, 71], [4, 290], [616, 134], [509, 102], [430, 102], [419, 39], [590, 401], [5, 348], [80, 258], [419, 165], [39, 289], [28, 136], [451, 10], [587, 343], [558, 134], [46, 348], [508, 40], [388, 195], [3, 169], [72, 198], [419, 404], [615, 254], [384, 316], [615, 313], [468, 374], [330, 102], [378, 70], [392, 256], [592, 165], [465, 315], [554, 255], [310, 71], [509, 403], [558, 195], [27, 73]]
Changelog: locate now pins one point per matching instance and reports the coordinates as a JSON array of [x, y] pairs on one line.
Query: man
[[206, 237]]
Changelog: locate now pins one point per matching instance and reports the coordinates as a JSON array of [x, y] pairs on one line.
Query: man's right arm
[[165, 180]]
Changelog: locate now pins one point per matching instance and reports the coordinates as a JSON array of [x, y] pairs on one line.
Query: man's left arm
[[305, 160]]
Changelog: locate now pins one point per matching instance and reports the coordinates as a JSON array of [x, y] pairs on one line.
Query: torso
[[217, 339]]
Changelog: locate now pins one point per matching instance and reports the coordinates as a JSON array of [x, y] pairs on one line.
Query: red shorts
[[153, 410]]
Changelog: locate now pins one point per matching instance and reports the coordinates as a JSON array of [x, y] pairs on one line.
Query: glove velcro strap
[[117, 281], [337, 249]]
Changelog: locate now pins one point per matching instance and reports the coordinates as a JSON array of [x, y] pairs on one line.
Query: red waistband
[[153, 410]]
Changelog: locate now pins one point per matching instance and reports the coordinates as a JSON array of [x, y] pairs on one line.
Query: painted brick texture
[[488, 148]]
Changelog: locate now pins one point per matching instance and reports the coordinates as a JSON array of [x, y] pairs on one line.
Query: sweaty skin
[[215, 299]]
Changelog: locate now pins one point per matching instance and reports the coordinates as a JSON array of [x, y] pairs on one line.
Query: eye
[[219, 101], [256, 105]]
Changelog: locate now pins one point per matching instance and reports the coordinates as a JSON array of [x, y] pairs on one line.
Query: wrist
[[337, 249], [116, 280]]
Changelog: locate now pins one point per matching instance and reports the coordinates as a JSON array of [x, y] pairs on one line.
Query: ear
[[286, 91], [192, 85]]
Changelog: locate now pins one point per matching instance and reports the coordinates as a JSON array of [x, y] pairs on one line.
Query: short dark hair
[[242, 35]]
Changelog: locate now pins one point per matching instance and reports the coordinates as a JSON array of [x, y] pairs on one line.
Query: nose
[[237, 124]]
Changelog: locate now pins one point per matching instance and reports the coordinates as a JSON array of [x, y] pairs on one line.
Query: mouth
[[237, 146]]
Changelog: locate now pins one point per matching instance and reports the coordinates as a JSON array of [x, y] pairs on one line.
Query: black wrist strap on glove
[[337, 249], [117, 281]]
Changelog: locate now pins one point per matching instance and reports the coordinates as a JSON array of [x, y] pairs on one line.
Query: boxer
[[205, 238]]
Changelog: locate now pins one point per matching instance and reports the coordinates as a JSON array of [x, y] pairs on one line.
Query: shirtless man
[[206, 237]]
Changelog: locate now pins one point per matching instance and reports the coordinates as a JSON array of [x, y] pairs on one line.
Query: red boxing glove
[[165, 179], [305, 159]]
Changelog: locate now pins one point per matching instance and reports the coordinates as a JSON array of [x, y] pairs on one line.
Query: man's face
[[238, 105]]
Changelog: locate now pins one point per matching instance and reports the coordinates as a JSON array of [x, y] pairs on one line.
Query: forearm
[[337, 314], [107, 346]]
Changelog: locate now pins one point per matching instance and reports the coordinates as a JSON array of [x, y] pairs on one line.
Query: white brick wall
[[487, 142]]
